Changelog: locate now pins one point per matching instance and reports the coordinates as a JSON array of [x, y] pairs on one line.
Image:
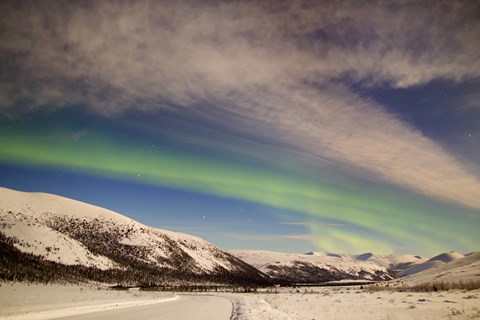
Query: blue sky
[[294, 126]]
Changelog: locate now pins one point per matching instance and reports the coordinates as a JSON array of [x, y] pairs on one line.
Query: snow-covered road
[[185, 308]]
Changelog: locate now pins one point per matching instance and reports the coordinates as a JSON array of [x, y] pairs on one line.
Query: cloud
[[295, 223], [272, 237], [316, 223], [300, 237], [280, 72]]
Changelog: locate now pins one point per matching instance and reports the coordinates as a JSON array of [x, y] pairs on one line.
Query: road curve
[[194, 307]]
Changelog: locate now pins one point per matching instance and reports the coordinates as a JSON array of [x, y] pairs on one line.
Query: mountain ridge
[[313, 267], [72, 233], [88, 242]]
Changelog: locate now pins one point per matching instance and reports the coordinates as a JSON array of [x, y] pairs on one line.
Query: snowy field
[[31, 301], [22, 301], [353, 303]]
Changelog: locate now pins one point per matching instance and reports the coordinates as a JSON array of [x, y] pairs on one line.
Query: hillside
[[43, 232], [395, 263], [434, 262], [447, 267]]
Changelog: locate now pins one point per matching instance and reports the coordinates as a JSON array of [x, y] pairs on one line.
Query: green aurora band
[[369, 219]]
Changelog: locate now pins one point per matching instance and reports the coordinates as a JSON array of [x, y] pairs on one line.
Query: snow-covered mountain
[[53, 231], [395, 263], [434, 262], [314, 267], [447, 267]]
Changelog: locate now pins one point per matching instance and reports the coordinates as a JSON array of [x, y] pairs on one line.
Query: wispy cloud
[[277, 71], [272, 237], [300, 237], [316, 224], [295, 223]]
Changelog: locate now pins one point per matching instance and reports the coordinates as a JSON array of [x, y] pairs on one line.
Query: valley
[[65, 259]]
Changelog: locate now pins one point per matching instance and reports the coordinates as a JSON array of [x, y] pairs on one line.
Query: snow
[[53, 245], [261, 259], [203, 260], [447, 257], [354, 304], [22, 301], [198, 249], [464, 269], [37, 301], [434, 262], [67, 312], [399, 259], [36, 204], [23, 216]]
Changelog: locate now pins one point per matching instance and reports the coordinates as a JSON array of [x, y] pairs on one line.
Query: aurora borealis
[[287, 126]]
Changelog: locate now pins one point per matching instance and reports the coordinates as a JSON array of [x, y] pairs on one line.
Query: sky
[[294, 126]]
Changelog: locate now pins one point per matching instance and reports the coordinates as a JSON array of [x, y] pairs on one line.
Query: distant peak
[[447, 256], [364, 256]]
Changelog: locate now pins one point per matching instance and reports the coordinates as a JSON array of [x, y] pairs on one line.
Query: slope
[[458, 268], [395, 263], [67, 232], [434, 262]]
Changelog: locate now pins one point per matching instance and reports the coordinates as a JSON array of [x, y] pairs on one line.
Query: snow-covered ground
[[22, 301], [451, 266], [353, 303], [35, 301]]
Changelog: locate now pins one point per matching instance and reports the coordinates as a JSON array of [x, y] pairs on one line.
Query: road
[[195, 307]]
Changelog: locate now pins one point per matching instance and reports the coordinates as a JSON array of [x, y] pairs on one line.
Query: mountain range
[[314, 267], [45, 237]]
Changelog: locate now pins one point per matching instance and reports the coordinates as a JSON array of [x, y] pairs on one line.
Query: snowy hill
[[395, 263], [56, 231], [434, 262], [314, 267], [449, 267]]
